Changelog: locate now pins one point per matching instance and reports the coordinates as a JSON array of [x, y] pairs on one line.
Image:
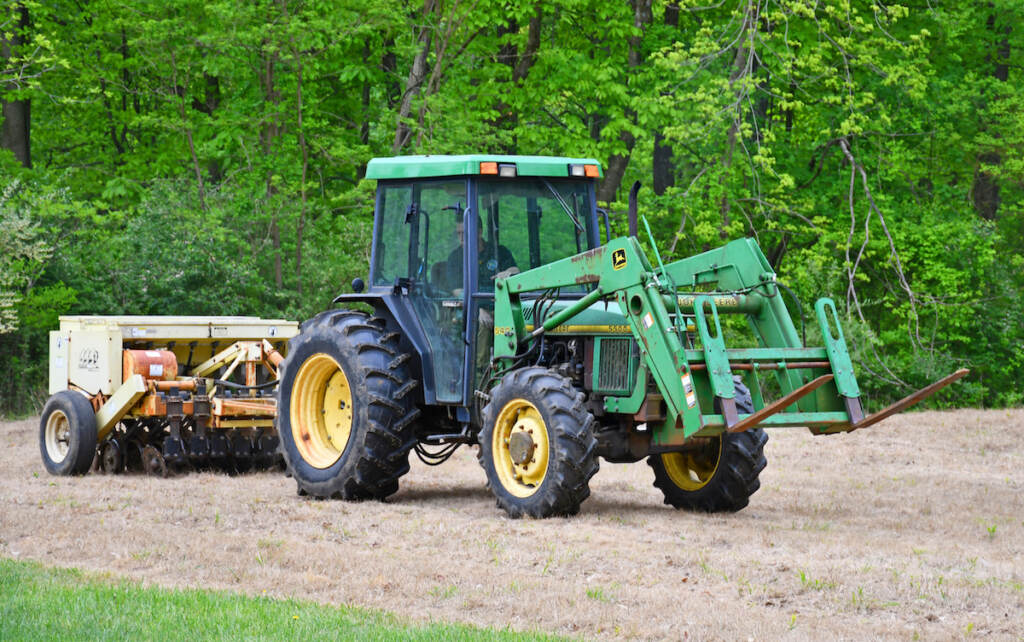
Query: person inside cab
[[493, 260]]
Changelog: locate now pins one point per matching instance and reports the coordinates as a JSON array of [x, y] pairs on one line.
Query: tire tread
[[383, 383], [737, 476], [571, 440]]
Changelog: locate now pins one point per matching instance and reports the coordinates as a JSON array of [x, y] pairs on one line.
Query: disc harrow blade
[[112, 459], [153, 462], [199, 452], [241, 452]]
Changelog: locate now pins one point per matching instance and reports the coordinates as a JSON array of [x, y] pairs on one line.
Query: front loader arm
[[620, 271], [741, 266], [696, 384]]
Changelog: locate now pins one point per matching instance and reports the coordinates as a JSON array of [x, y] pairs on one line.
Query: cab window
[[534, 221]]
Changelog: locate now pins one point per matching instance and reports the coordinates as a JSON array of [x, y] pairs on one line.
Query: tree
[[874, 149], [15, 134]]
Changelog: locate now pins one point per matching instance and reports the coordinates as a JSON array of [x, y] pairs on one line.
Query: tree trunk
[[271, 132], [365, 111], [529, 55], [617, 163], [180, 96], [389, 65], [443, 47], [520, 64], [300, 227], [985, 190], [417, 74], [17, 114], [127, 87], [663, 170], [364, 126], [609, 186], [740, 70], [210, 104]]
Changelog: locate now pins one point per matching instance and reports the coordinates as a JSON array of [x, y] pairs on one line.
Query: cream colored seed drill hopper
[[162, 393]]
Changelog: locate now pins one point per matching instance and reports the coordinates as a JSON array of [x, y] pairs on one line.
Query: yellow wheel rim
[[693, 470], [321, 411], [57, 436], [520, 448]]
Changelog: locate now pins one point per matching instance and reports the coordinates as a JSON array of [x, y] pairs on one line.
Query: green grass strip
[[40, 603]]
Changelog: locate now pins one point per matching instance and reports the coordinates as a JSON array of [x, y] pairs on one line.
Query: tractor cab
[[446, 227]]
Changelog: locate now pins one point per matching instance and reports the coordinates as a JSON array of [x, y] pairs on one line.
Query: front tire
[[720, 474], [537, 444], [346, 414], [67, 434]]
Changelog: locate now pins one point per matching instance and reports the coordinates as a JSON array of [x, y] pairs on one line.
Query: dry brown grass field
[[912, 529]]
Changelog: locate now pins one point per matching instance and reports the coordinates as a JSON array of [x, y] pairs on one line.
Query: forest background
[[206, 157]]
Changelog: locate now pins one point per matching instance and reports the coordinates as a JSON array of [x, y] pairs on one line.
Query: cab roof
[[469, 164]]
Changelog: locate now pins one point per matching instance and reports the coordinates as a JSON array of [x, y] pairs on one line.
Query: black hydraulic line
[[437, 457], [238, 386], [191, 350]]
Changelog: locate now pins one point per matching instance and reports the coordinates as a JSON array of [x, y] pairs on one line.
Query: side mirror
[[358, 285]]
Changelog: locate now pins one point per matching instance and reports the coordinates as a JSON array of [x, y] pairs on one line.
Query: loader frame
[[692, 380]]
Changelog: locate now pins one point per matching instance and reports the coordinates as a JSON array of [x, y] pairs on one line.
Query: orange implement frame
[[224, 412]]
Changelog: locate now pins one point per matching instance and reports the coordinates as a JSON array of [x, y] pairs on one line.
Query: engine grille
[[615, 364]]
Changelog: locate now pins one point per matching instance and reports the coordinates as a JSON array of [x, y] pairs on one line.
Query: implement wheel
[[67, 434], [346, 412], [719, 474], [537, 444]]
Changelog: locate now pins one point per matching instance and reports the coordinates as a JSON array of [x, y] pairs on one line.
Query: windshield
[[537, 220]]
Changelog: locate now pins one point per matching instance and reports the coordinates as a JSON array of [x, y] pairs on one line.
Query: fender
[[400, 316]]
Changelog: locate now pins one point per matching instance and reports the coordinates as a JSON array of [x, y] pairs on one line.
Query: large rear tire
[[537, 444], [346, 408], [67, 434], [720, 474]]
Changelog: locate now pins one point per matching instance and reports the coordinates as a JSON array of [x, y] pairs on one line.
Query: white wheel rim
[[58, 436]]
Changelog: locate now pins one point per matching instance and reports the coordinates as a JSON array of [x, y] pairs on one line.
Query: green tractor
[[501, 319]]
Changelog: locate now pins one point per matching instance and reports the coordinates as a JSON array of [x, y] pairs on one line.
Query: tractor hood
[[603, 317]]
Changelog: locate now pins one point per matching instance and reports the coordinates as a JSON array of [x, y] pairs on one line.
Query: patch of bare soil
[[912, 527]]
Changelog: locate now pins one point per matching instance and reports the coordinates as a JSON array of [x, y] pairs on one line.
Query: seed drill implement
[[162, 394]]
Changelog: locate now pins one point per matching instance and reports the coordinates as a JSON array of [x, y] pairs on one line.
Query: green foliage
[[206, 157], [46, 604], [30, 301], [24, 254]]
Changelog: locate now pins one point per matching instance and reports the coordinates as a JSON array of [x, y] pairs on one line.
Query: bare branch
[[856, 168], [682, 223]]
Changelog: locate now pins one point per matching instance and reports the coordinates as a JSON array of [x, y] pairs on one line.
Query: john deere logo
[[618, 259]]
